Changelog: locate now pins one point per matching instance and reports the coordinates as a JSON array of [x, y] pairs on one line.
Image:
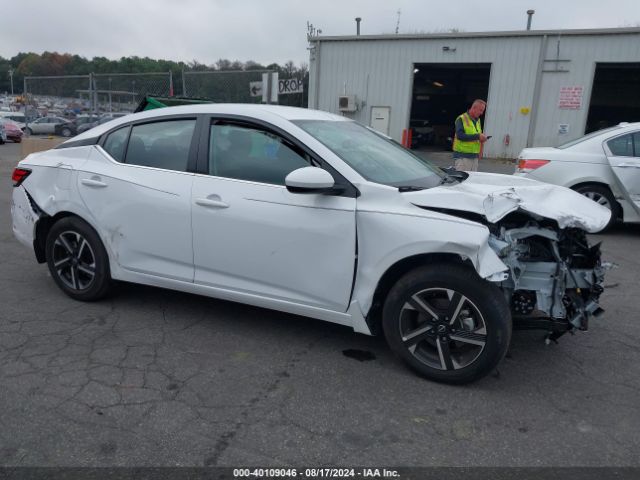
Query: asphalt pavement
[[156, 377]]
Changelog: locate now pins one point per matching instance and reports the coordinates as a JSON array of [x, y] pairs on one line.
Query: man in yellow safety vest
[[469, 137]]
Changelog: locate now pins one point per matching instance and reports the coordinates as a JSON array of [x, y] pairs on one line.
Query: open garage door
[[441, 92], [615, 96]]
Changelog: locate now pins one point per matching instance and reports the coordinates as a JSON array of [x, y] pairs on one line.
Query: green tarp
[[150, 103]]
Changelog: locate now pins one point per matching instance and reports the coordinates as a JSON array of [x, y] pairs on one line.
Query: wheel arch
[[42, 228], [395, 272], [604, 185]]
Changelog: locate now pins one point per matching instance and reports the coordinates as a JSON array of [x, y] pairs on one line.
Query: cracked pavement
[[155, 377]]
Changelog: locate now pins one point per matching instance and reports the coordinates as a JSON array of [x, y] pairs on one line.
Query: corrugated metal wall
[[380, 72], [583, 52]]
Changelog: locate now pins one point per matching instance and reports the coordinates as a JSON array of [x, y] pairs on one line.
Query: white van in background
[[17, 117]]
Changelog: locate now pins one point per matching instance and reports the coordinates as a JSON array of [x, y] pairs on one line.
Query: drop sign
[[289, 85]]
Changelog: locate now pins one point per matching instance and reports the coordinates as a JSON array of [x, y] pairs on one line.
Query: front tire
[[77, 260], [446, 323], [66, 132]]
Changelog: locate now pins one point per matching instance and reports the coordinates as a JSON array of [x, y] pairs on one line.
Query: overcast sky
[[270, 30]]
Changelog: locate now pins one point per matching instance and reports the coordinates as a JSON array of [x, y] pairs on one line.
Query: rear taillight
[[19, 176], [526, 166]]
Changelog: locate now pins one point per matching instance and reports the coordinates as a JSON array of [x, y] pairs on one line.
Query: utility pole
[[399, 12], [11, 77]]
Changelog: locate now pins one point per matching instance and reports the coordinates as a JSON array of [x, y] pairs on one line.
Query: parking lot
[[156, 377]]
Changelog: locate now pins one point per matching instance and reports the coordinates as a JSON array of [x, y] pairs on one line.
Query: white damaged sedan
[[310, 213]]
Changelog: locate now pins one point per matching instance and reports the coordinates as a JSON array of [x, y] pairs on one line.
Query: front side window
[[247, 153], [375, 157], [163, 144], [621, 146], [115, 143]]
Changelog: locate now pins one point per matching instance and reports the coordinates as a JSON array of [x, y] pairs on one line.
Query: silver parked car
[[603, 165], [45, 125]]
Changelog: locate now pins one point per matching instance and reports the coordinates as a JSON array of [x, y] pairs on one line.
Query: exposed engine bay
[[555, 277]]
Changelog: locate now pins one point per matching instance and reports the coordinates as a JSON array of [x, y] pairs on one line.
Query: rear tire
[[603, 196], [446, 323], [77, 260]]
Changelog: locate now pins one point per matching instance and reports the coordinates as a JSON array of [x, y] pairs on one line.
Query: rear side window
[[115, 143], [161, 144], [621, 146]]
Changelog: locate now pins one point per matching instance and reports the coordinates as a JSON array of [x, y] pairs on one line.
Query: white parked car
[[310, 213], [16, 117], [603, 165]]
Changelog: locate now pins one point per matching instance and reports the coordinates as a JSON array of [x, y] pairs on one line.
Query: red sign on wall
[[570, 98]]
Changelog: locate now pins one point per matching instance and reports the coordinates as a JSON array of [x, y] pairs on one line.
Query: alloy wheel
[[74, 260], [598, 198], [443, 329]]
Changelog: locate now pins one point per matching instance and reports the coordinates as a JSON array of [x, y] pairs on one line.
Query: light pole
[[11, 77]]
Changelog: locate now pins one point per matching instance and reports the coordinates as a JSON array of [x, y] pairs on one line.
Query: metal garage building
[[542, 87]]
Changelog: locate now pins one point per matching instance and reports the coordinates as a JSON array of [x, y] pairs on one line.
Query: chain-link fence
[[98, 95], [122, 92], [56, 94], [94, 93], [221, 86]]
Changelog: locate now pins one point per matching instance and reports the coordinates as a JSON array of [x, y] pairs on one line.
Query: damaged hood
[[494, 196]]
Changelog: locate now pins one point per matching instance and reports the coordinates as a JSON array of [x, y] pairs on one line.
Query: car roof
[[614, 130], [617, 129], [251, 110], [629, 125]]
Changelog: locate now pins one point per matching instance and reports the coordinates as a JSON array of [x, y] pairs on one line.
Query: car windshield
[[588, 136], [374, 156]]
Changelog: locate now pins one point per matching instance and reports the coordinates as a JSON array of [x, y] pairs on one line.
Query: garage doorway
[[615, 96], [441, 92]]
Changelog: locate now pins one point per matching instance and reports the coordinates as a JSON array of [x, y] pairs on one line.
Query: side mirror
[[309, 180]]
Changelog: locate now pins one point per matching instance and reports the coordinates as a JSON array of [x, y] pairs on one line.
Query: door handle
[[206, 202], [93, 183]]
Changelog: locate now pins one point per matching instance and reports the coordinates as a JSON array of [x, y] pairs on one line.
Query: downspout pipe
[[535, 104]]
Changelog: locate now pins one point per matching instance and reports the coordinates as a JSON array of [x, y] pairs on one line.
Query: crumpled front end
[[538, 231], [494, 197], [555, 277]]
